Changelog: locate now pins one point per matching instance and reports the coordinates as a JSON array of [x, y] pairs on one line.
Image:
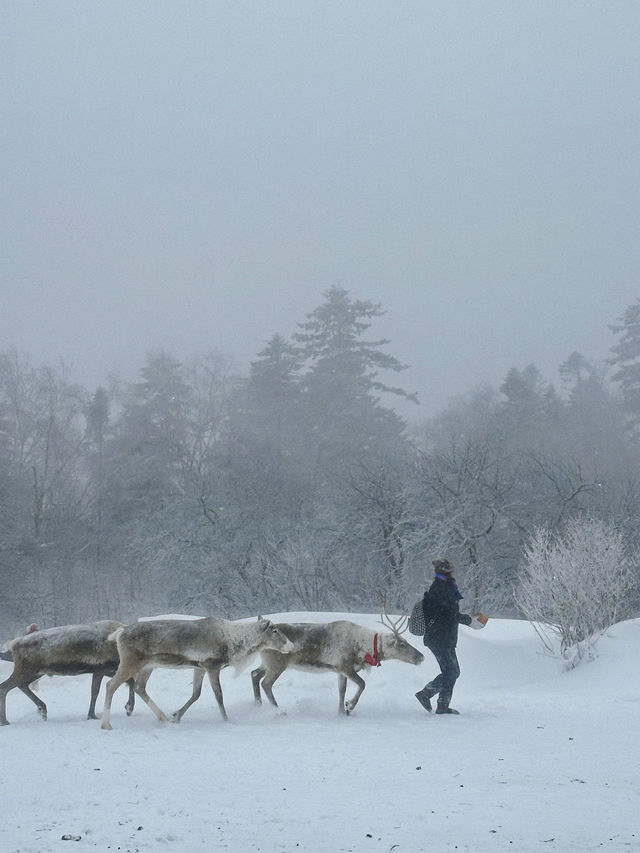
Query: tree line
[[297, 486]]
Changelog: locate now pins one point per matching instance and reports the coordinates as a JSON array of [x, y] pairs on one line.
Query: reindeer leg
[[256, 675], [352, 675], [273, 674], [112, 686], [142, 677], [96, 681], [342, 689], [198, 678], [9, 684], [42, 708], [214, 680], [131, 701], [141, 690], [125, 672], [5, 687]]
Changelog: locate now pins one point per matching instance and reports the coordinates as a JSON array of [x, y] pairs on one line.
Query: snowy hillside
[[539, 760]]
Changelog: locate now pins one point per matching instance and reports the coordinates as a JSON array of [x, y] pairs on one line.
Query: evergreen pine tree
[[627, 359], [342, 383]]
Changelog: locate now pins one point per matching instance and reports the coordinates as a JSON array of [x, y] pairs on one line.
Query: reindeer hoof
[[4, 722], [107, 727], [91, 717]]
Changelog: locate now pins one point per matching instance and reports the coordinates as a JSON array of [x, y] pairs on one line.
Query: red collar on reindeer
[[373, 660]]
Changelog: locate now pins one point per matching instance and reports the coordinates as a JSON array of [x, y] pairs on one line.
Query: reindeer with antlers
[[343, 647]]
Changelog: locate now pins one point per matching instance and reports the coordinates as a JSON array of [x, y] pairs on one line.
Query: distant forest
[[297, 486]]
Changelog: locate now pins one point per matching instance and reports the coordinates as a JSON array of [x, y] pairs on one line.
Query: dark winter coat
[[442, 615]]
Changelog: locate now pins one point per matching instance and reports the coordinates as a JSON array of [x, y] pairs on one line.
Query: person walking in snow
[[441, 609]]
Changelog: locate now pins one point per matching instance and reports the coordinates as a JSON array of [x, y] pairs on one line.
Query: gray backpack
[[416, 620]]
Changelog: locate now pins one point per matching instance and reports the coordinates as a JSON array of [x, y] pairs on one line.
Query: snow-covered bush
[[576, 583]]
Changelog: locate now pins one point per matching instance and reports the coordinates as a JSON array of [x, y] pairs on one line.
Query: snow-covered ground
[[539, 760]]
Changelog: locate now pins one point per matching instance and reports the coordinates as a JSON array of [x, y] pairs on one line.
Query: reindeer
[[343, 647], [208, 644], [66, 650]]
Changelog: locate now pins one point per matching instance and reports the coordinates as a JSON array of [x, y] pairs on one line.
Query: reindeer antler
[[398, 626]]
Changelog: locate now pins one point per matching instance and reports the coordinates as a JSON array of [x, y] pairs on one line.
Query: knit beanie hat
[[444, 567]]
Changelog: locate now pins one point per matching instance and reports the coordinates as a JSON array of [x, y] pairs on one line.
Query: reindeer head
[[272, 637]]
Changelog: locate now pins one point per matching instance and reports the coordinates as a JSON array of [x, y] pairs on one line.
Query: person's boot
[[445, 709], [424, 698]]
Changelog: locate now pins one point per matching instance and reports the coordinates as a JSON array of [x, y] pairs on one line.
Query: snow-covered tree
[[467, 481], [576, 583], [42, 491]]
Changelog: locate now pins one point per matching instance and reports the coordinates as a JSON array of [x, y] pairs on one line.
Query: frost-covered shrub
[[576, 583]]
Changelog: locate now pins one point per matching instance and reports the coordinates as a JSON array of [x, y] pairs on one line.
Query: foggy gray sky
[[187, 175]]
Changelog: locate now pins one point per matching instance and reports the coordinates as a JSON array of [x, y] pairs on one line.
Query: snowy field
[[539, 760]]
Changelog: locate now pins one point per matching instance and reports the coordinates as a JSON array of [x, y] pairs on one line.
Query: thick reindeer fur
[[66, 650], [208, 644], [334, 646]]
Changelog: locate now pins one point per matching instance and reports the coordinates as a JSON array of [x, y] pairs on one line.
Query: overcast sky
[[188, 175]]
